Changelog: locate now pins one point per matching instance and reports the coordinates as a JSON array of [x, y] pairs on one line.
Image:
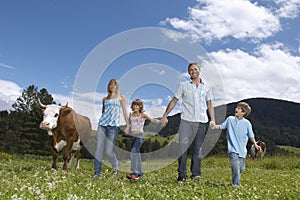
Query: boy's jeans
[[135, 156], [106, 136], [237, 167]]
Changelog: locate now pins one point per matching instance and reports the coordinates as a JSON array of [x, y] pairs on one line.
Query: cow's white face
[[50, 116]]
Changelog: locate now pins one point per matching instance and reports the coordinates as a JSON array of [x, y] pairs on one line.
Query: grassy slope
[[30, 178], [293, 150]]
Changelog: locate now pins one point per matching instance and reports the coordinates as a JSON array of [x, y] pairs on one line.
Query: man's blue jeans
[[237, 167], [135, 155], [106, 137], [190, 133]]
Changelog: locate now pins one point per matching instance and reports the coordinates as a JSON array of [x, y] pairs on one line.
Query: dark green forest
[[274, 121]]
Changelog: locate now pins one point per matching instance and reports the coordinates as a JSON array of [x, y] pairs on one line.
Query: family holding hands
[[196, 101]]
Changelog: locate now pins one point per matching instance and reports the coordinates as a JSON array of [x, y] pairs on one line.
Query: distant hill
[[276, 122]]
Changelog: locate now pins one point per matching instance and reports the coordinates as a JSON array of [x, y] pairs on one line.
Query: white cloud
[[240, 19], [273, 73], [288, 8], [6, 66], [9, 92]]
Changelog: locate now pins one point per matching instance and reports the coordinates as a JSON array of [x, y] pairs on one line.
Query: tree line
[[274, 121], [20, 132]]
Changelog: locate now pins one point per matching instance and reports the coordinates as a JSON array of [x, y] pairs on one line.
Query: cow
[[254, 153], [69, 130]]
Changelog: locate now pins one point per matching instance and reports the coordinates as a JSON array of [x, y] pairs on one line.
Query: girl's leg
[[99, 150], [111, 135], [135, 156]]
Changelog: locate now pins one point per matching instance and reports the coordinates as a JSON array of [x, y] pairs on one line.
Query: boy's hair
[[245, 108], [139, 103]]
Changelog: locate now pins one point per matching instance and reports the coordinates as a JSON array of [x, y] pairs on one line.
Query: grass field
[[29, 177]]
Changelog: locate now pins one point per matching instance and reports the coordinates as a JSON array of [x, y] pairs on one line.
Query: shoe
[[129, 176], [96, 176], [195, 178], [134, 177], [140, 175], [180, 180], [115, 171]]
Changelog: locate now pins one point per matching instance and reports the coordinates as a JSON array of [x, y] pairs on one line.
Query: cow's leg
[[77, 159], [54, 158], [66, 154], [70, 160]]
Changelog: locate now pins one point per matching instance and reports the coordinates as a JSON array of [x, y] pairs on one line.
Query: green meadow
[[30, 177]]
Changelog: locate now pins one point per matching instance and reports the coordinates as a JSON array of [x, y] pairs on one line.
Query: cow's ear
[[65, 112]]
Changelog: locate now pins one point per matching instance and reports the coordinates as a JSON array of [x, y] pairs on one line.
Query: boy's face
[[239, 113]]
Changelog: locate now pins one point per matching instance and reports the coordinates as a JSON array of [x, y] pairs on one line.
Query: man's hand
[[164, 121]]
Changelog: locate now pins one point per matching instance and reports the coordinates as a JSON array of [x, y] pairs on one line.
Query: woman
[[108, 126]]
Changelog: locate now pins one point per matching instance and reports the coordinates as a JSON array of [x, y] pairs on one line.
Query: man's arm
[[169, 108], [211, 112]]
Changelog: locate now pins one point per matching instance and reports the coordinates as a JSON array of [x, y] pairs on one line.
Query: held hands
[[212, 125], [164, 121], [127, 129]]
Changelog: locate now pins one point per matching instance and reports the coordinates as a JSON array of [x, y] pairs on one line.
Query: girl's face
[[136, 107], [113, 87]]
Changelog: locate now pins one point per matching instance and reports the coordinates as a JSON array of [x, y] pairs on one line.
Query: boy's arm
[[254, 142], [213, 125]]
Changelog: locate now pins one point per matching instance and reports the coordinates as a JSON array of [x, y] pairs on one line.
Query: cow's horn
[[42, 105]]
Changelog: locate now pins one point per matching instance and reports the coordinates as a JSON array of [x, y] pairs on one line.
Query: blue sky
[[254, 46]]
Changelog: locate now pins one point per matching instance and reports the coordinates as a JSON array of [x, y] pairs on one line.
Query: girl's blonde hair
[[139, 103]]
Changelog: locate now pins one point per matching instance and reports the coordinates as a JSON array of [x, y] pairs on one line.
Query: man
[[196, 100]]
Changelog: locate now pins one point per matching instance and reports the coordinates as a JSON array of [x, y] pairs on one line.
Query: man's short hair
[[193, 63]]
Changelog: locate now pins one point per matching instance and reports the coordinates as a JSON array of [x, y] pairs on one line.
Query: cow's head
[[50, 116]]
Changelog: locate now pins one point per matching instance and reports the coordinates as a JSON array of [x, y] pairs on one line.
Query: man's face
[[194, 71]]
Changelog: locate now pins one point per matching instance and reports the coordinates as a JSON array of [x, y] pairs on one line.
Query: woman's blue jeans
[[237, 167], [135, 155], [106, 137]]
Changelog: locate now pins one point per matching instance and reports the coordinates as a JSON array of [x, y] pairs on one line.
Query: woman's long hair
[[112, 82]]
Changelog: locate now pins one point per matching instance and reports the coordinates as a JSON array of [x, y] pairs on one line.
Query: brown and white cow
[[254, 153], [69, 130]]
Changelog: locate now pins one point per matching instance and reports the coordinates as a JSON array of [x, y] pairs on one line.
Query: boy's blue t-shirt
[[238, 132]]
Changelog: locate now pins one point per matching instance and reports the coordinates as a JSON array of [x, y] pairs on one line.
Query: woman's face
[[113, 87]]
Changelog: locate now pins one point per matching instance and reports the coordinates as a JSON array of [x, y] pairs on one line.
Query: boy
[[239, 130]]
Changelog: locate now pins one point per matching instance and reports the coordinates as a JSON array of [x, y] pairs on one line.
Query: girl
[[108, 126], [137, 119]]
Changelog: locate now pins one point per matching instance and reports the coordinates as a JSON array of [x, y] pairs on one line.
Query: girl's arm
[[103, 101], [124, 109], [144, 115], [128, 126]]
